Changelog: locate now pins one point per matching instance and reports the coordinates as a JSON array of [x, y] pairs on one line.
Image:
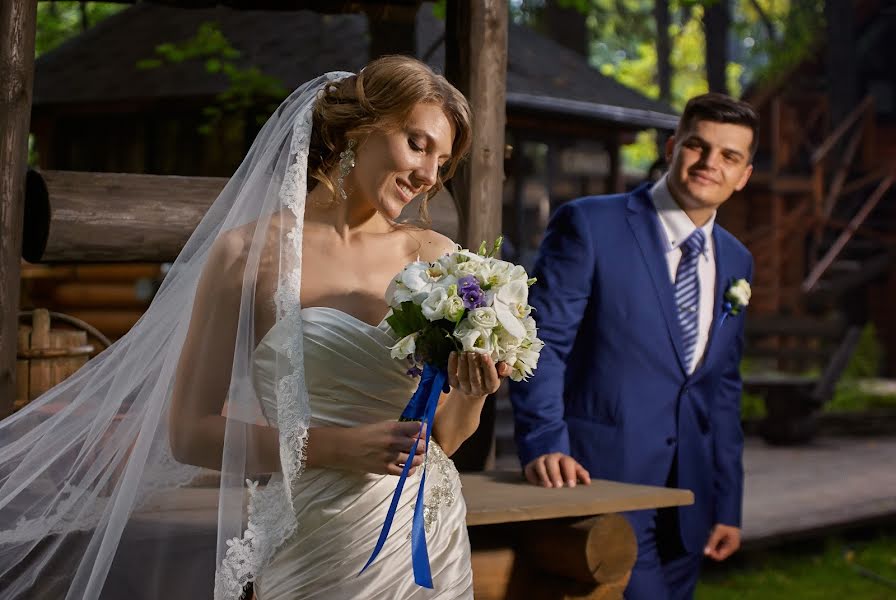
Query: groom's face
[[708, 161]]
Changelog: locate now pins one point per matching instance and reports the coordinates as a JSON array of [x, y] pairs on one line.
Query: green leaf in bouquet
[[407, 319], [436, 343]]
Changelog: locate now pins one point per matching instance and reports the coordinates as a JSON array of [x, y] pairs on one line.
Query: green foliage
[[623, 34], [440, 9], [59, 21], [248, 88], [854, 391], [834, 569], [752, 406], [866, 359], [434, 342]]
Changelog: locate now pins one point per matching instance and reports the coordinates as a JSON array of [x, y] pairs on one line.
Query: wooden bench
[[793, 399]]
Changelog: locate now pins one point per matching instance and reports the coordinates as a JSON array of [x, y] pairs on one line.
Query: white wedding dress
[[352, 380]]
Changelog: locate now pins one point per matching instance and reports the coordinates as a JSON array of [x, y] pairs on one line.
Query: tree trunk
[[476, 62], [716, 20], [663, 49], [18, 24]]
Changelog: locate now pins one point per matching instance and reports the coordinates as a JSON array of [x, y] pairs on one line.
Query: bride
[[263, 366]]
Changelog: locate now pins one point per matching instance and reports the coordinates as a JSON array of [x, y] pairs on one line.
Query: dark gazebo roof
[[99, 66]]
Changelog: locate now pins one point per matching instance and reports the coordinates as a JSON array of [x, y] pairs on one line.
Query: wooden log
[[18, 23], [599, 549], [114, 217], [124, 217], [70, 295], [565, 559], [476, 62], [111, 273]]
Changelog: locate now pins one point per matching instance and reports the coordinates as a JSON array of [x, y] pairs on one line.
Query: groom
[[639, 380]]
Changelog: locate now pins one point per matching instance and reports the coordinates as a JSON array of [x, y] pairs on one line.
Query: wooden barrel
[[46, 356]]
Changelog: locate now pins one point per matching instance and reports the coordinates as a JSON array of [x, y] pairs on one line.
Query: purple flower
[[468, 289], [415, 371]]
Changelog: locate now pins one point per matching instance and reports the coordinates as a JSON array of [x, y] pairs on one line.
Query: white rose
[[405, 347], [483, 318], [454, 308], [740, 292], [435, 305], [473, 339]]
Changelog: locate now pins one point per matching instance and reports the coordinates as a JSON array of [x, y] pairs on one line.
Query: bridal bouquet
[[464, 301]]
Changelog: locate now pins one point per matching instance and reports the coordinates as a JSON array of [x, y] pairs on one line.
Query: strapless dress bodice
[[349, 374]]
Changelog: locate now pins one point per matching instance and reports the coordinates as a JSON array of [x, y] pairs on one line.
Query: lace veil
[[93, 503]]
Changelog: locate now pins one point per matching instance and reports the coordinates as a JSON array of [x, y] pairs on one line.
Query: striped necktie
[[687, 293]]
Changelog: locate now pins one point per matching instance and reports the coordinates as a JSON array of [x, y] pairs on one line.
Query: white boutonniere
[[737, 297]]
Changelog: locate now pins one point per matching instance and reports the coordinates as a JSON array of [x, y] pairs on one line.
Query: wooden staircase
[[825, 210]]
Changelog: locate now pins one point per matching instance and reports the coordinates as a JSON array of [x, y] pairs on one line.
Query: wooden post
[[18, 20], [476, 62]]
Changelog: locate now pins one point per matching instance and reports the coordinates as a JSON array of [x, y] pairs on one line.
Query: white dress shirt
[[677, 226]]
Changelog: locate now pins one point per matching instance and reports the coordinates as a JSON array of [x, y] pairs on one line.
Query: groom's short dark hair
[[721, 108]]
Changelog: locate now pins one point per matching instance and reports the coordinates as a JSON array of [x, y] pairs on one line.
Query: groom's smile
[[708, 162]]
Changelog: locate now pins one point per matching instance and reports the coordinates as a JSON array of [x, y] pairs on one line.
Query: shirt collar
[[677, 226]]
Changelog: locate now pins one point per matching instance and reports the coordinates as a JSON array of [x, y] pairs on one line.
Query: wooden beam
[[847, 234], [476, 62], [840, 131], [113, 217], [18, 23]]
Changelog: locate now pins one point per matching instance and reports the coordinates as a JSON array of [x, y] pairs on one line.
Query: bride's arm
[[196, 425], [472, 378]]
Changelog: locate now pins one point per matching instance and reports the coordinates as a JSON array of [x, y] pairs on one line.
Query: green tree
[[248, 88], [59, 21], [765, 38]]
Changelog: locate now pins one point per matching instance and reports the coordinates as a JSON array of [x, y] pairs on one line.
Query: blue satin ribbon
[[421, 407]]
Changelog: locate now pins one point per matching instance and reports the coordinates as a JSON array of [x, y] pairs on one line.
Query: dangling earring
[[346, 164]]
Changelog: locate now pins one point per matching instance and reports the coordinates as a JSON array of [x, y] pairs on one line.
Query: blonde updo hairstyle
[[381, 98]]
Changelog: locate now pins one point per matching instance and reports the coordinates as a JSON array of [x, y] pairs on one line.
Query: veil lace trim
[[271, 513]]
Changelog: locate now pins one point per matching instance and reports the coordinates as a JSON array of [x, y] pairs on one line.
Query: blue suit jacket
[[611, 387]]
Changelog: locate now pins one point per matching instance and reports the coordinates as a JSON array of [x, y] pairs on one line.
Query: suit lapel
[[724, 275], [644, 222]]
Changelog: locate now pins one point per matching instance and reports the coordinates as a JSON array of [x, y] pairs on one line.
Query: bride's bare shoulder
[[230, 250], [429, 245]]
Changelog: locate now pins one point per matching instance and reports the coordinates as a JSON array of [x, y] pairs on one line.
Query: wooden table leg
[[560, 559]]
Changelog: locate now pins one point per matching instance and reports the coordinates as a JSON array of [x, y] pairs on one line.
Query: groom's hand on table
[[556, 470], [723, 542]]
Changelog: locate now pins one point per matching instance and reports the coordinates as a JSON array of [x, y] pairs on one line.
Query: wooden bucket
[[46, 356]]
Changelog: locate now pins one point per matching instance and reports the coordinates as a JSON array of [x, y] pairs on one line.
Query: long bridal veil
[[93, 503]]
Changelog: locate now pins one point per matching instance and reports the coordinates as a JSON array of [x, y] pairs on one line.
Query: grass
[[832, 570]]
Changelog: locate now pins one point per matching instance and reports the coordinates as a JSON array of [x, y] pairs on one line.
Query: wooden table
[[538, 543], [528, 543]]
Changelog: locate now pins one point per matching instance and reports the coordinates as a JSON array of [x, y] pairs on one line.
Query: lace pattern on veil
[[271, 513]]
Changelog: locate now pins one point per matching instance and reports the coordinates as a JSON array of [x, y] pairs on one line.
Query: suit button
[[671, 441]]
